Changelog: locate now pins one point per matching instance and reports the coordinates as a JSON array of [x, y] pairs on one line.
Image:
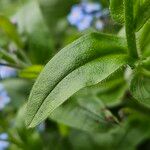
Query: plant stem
[[130, 31]]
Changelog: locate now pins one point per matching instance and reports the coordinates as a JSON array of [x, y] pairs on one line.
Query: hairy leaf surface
[[117, 10], [143, 14], [85, 62]]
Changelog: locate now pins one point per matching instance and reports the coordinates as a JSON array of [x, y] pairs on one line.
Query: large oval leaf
[[82, 63]]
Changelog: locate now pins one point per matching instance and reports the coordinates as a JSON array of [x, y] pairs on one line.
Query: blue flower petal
[[4, 98], [76, 15], [91, 7], [6, 72], [4, 145], [85, 23]]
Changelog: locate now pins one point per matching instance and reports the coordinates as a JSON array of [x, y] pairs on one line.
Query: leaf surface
[[117, 10], [85, 62], [143, 14]]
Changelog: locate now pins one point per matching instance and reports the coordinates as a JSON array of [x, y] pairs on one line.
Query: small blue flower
[[6, 72], [91, 7], [87, 14], [85, 23], [76, 15], [3, 144], [4, 98]]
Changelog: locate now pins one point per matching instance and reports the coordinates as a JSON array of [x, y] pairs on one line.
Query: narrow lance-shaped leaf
[[82, 63]]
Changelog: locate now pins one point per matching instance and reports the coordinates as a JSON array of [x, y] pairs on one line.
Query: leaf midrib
[[92, 59]]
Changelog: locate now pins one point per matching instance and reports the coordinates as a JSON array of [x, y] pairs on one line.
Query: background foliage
[[93, 93]]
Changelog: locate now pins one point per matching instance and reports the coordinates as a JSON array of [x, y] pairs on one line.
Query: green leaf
[[112, 90], [31, 72], [10, 30], [85, 112], [117, 10], [122, 136], [114, 96], [28, 139], [144, 37], [38, 38], [82, 63], [7, 57], [146, 63], [140, 88], [143, 14], [139, 11]]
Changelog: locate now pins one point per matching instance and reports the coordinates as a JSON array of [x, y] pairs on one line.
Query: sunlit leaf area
[[74, 74]]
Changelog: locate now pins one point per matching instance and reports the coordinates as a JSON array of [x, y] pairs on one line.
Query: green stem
[[130, 31]]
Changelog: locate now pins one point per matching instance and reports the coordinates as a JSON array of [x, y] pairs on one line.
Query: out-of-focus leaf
[[7, 57], [10, 30], [121, 138], [38, 38], [143, 14], [31, 72], [18, 90], [140, 88], [29, 139], [53, 10], [146, 64], [85, 62], [114, 96], [112, 90], [84, 112]]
